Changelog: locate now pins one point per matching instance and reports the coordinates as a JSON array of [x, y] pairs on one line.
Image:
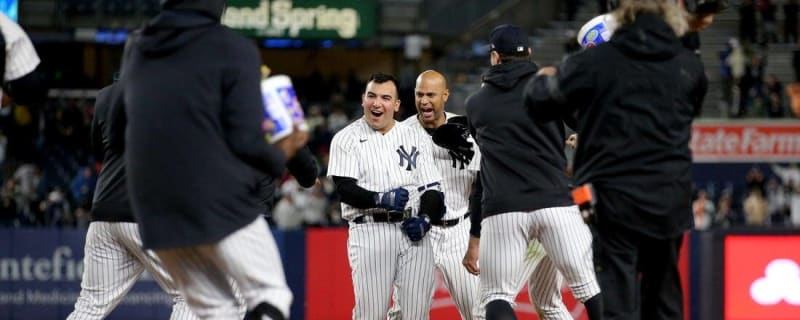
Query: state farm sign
[[746, 141]]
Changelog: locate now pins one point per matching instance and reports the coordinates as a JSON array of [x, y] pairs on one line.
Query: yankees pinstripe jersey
[[457, 173], [21, 57], [381, 162]]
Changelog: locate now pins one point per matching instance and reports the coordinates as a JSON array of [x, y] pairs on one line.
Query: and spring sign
[[304, 19]]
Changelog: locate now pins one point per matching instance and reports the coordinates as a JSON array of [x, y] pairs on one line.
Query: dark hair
[[384, 78], [519, 56]]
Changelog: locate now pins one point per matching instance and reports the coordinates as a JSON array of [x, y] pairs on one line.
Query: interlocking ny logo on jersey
[[460, 160], [408, 159]]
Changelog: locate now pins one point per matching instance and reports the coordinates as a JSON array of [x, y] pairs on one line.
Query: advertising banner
[[41, 270], [762, 277], [40, 275], [303, 19], [746, 141]]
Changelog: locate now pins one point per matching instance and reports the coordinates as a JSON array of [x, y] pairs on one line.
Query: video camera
[[693, 6]]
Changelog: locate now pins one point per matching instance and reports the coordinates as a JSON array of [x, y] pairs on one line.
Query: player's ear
[[397, 105], [445, 94]]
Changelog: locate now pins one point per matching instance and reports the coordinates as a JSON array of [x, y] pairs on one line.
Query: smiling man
[[389, 188], [458, 168]]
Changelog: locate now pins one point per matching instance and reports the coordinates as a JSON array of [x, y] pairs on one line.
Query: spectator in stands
[[727, 216], [755, 208], [703, 210], [300, 206], [726, 74], [790, 10], [794, 204], [747, 21], [8, 207], [777, 203], [337, 119], [773, 89], [755, 180], [56, 209], [82, 187], [796, 61], [737, 61], [754, 78], [570, 45], [769, 33], [790, 177]]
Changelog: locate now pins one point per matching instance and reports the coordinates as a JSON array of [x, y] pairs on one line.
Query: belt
[[451, 222], [390, 217]]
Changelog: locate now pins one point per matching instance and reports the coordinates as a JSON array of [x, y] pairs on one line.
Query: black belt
[[451, 222], [390, 217]]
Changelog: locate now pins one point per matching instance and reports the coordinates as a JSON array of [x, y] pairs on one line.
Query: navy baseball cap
[[508, 39]]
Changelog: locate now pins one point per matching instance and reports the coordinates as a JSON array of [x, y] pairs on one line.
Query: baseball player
[[113, 254], [389, 188], [194, 143], [526, 192], [449, 236]]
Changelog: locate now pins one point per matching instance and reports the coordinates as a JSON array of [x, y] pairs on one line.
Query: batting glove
[[392, 200], [416, 227]]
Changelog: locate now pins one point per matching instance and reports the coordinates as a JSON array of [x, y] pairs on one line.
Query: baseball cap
[[508, 39]]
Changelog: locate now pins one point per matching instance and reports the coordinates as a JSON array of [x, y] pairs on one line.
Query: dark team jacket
[[522, 158], [636, 97], [111, 203], [194, 138]]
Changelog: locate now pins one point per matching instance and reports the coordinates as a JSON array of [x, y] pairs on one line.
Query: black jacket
[[636, 96], [111, 203], [194, 139], [522, 158]]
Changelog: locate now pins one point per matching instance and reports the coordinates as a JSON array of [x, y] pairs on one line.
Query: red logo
[[762, 277]]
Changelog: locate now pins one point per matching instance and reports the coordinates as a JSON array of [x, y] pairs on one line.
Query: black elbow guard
[[431, 203]]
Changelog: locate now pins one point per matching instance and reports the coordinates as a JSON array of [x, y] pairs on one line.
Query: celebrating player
[[114, 258], [525, 189], [449, 236], [194, 141], [389, 188]]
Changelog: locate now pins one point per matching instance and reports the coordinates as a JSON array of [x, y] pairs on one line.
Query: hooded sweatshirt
[[636, 97], [110, 203], [194, 138], [523, 162]]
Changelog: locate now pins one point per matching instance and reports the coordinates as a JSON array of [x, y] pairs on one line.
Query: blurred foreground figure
[[636, 96], [194, 144]]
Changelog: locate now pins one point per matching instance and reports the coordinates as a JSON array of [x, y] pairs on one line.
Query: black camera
[[693, 6]]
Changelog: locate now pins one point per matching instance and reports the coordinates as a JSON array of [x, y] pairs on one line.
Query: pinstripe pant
[[249, 256], [508, 258], [382, 257], [449, 246], [113, 261]]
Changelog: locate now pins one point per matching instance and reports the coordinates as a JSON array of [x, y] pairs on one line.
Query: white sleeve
[[475, 164], [21, 57], [343, 161], [429, 176]]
